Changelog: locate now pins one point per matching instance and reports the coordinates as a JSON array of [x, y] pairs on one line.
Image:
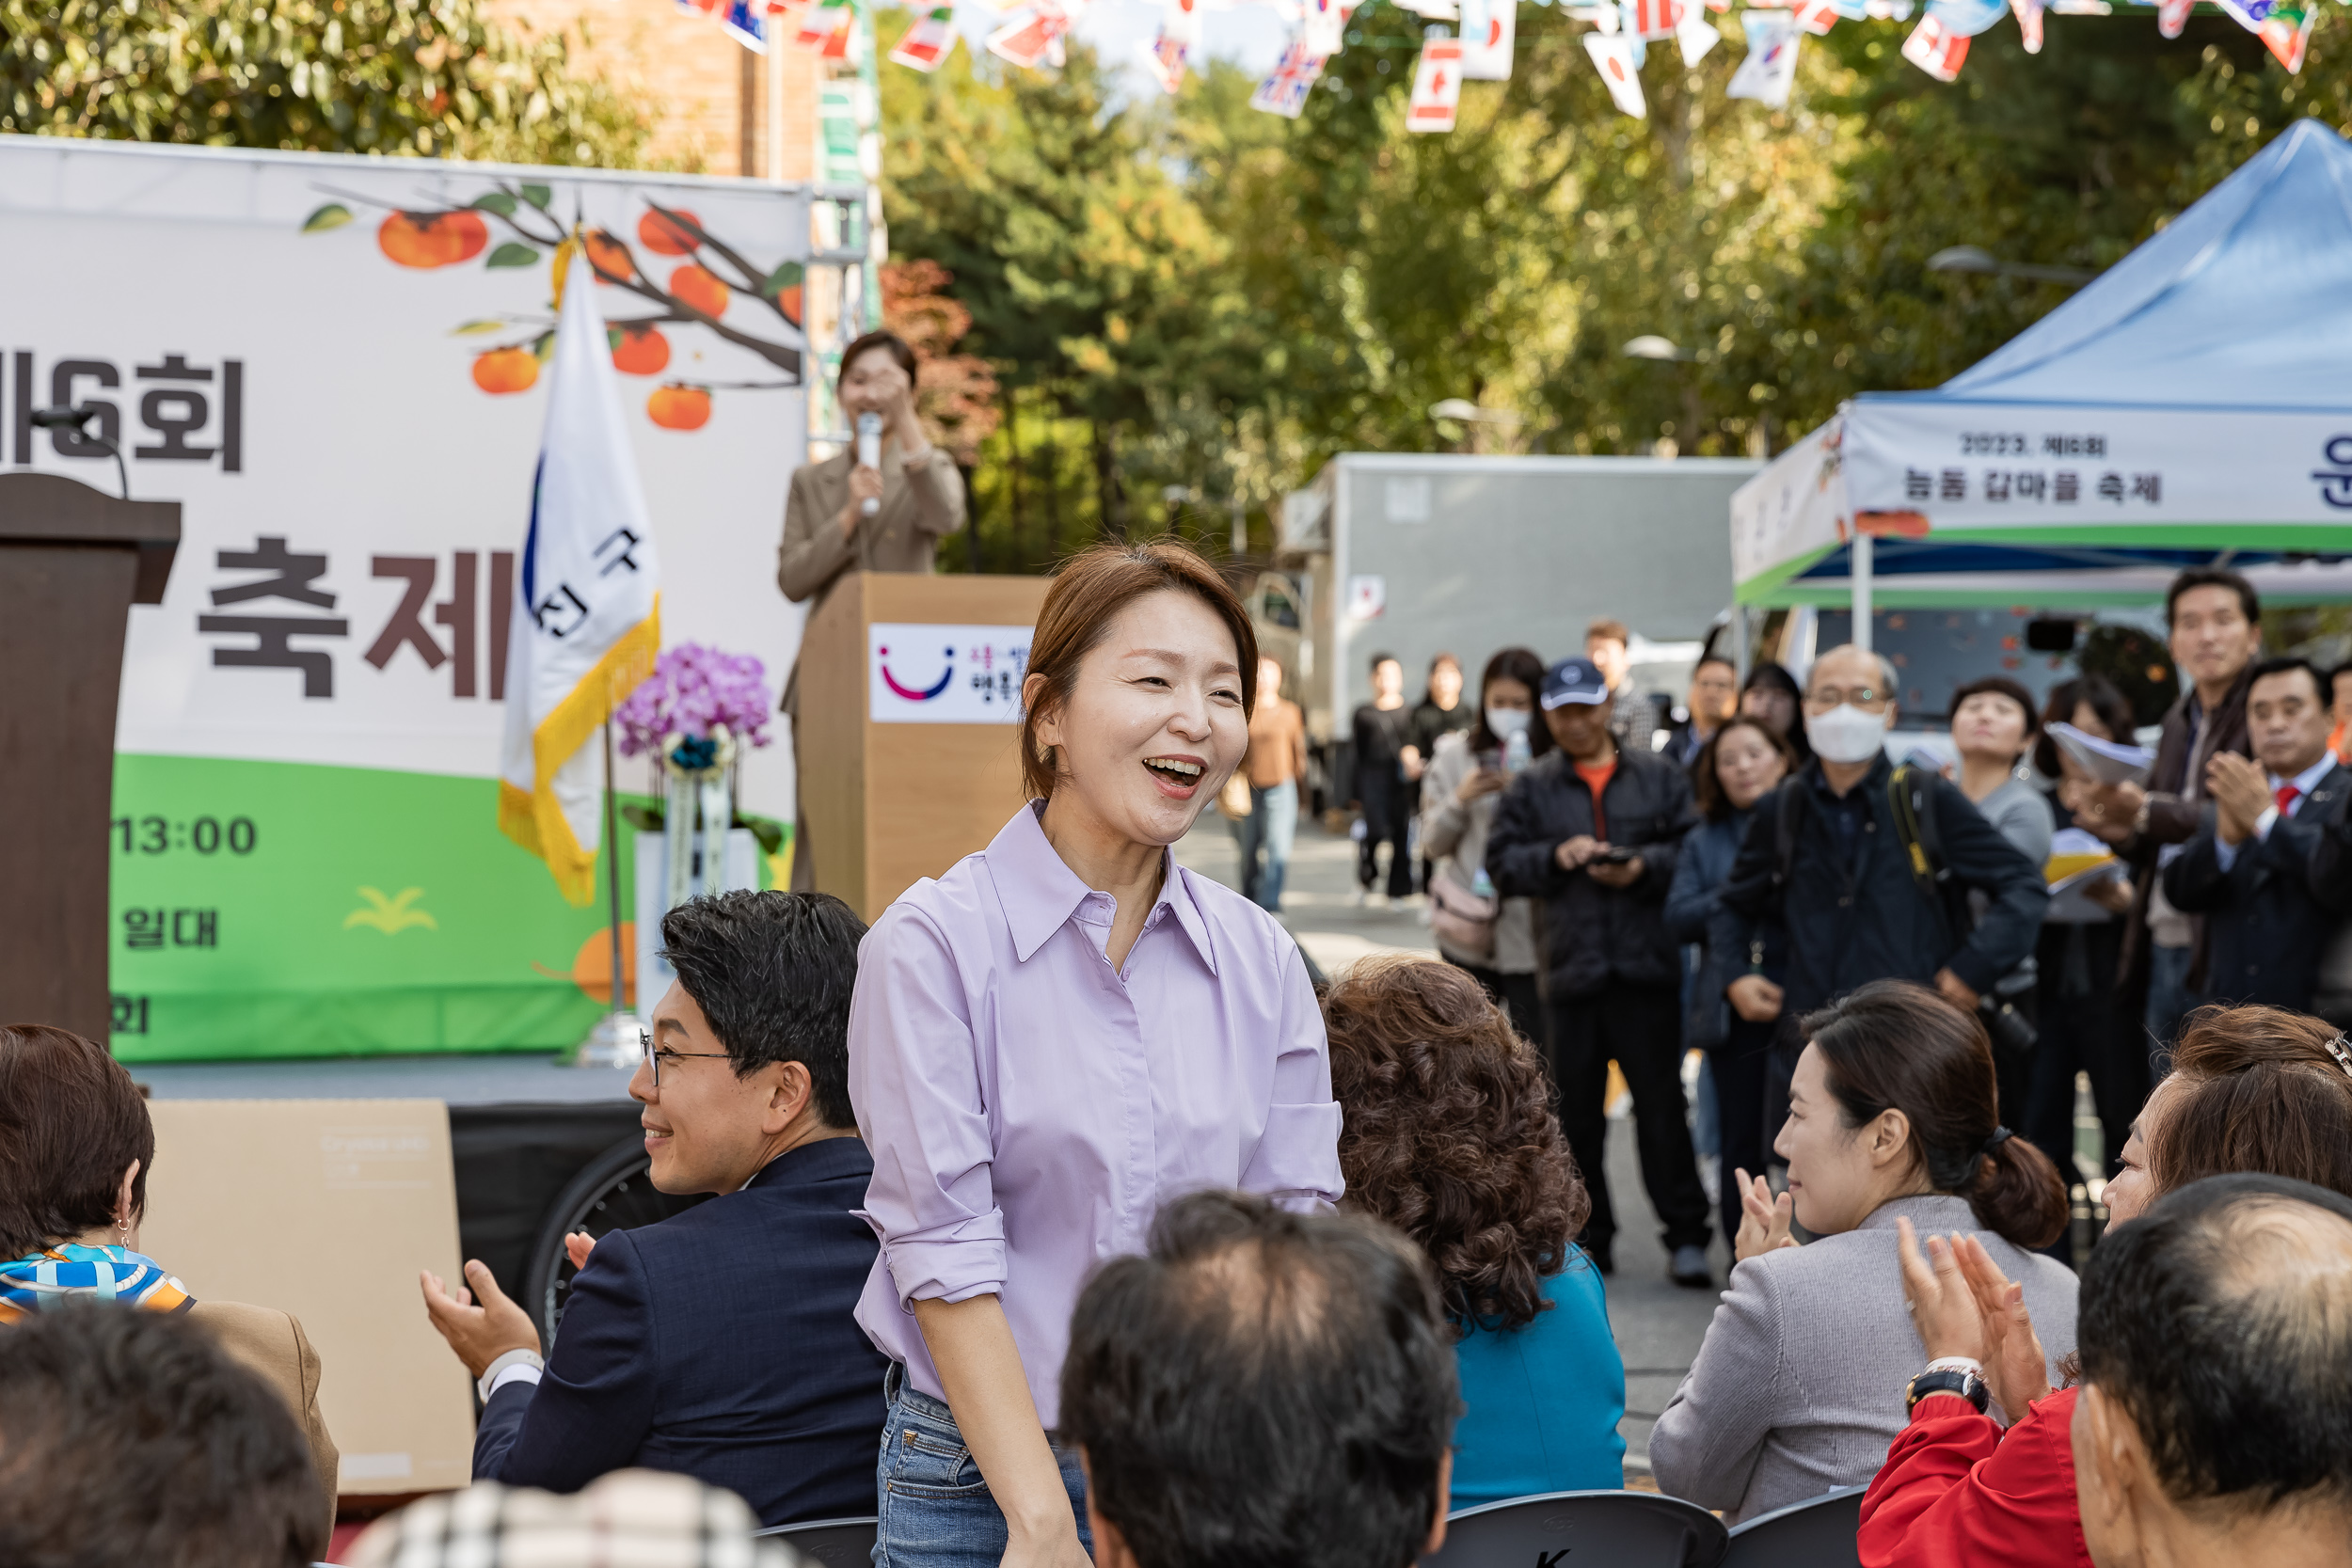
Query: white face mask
[[1845, 733], [1505, 723]]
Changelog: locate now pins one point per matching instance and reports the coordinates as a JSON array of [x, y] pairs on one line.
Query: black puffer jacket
[[1850, 922], [1594, 935]]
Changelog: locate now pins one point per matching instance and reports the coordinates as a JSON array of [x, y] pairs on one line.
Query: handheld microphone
[[869, 454]]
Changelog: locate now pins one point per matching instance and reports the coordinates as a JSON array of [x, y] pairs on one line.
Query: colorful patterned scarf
[[101, 1272]]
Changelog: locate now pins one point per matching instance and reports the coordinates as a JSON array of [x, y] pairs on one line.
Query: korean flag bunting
[[1180, 21], [1437, 86], [587, 617], [1613, 57], [926, 45], [1695, 35], [1934, 50], [1489, 32], [1771, 69]]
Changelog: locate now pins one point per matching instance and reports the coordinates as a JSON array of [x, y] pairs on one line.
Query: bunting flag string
[[1484, 38]]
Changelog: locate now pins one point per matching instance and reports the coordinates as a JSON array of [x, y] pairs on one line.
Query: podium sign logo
[[922, 674]]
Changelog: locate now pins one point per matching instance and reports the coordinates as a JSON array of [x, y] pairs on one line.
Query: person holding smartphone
[[1594, 831], [1493, 938]]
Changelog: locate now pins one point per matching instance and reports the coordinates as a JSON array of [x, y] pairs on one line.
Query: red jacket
[[1956, 1491]]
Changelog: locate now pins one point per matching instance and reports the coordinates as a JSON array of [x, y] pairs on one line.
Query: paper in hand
[[2107, 761]]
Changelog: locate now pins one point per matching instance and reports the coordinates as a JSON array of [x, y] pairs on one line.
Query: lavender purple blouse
[[1028, 1107]]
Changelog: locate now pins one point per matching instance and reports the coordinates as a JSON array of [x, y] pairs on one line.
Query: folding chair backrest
[[1816, 1533], [1570, 1529], [834, 1543]]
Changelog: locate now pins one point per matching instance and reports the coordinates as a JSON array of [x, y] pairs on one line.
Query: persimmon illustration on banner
[[695, 294], [678, 406]]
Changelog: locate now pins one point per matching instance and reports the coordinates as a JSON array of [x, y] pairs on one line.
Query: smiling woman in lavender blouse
[[1065, 1030]]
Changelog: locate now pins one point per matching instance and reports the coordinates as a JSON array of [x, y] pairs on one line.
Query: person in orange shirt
[[1276, 761], [2340, 701]]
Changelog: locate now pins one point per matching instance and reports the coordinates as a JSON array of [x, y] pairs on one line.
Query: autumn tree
[[424, 77]]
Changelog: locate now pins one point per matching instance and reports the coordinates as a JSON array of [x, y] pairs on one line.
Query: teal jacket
[[1542, 1404]]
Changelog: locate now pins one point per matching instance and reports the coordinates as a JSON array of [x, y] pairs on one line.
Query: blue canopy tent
[[2192, 404]]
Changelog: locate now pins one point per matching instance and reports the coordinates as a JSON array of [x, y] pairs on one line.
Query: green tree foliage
[[1187, 298], [429, 77]]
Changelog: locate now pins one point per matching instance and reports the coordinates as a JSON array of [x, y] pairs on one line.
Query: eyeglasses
[[654, 1058], [1869, 699]]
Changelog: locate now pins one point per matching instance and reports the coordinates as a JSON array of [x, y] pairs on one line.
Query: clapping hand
[[576, 1245], [479, 1331], [2240, 794], [1963, 1305], [1763, 1218], [2014, 1366]]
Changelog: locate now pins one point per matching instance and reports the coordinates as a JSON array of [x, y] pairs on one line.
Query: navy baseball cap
[[1574, 680]]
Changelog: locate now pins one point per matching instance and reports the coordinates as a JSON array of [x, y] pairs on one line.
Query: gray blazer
[[1798, 1390]]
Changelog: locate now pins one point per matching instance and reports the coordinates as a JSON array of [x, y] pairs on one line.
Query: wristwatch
[[1968, 1386]]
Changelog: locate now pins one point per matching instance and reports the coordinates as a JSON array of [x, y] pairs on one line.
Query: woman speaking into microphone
[[881, 504], [1061, 1033]]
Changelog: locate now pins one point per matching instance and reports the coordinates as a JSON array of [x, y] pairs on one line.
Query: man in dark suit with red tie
[[2250, 867]]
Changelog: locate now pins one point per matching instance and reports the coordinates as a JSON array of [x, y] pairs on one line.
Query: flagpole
[[614, 1041]]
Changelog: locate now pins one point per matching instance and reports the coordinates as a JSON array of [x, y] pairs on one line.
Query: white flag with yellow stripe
[[587, 618]]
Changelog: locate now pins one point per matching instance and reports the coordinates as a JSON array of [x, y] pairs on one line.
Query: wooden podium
[[889, 800], [72, 563]]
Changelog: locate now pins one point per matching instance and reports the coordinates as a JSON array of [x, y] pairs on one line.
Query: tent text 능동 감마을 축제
[[2192, 402]]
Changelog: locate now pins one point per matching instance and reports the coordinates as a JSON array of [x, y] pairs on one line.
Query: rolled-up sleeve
[[1297, 1159], [914, 1081]]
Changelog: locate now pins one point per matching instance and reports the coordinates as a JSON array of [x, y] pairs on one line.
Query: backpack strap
[[1911, 797]]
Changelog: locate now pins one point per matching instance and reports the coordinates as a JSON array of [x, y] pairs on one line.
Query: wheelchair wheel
[[612, 1192]]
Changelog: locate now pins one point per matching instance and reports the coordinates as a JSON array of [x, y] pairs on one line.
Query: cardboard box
[[326, 1209]]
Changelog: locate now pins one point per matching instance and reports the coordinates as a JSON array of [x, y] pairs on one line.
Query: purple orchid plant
[[694, 696]]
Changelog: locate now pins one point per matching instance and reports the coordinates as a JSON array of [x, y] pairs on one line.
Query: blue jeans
[[935, 1510], [1271, 825], [2169, 1000]]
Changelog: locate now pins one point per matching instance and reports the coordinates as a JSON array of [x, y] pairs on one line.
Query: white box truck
[[1417, 554]]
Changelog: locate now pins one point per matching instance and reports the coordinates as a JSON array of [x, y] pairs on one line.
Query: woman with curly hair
[[1449, 1135]]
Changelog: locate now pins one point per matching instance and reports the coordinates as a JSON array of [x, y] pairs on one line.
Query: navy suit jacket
[[2266, 921], [721, 1343]]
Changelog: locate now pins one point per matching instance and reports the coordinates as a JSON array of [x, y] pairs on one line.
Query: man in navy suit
[[721, 1343], [2249, 868]]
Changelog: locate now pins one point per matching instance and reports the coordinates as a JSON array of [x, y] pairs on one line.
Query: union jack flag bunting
[[1180, 21], [746, 27], [2172, 16], [929, 42], [1164, 57], [1934, 51], [1816, 16], [1285, 92]]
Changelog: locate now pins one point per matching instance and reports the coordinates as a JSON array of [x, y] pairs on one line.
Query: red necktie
[[2286, 795]]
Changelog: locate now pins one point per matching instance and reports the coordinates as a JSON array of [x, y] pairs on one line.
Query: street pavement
[[1657, 1324]]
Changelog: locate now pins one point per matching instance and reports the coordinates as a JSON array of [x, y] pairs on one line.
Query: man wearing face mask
[[1829, 855]]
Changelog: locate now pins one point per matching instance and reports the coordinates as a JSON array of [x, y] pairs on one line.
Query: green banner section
[[267, 909]]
